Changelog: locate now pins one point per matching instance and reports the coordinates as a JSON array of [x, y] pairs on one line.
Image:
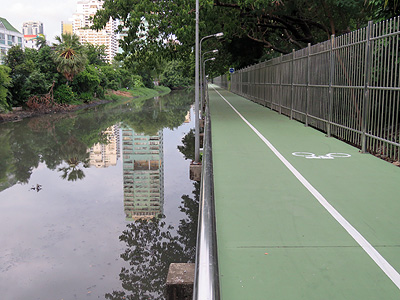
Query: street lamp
[[218, 35], [196, 83], [204, 73], [196, 91], [202, 76]]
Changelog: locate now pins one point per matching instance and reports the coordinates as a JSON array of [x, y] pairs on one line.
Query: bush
[[99, 92], [86, 96], [37, 83], [64, 94], [113, 85], [86, 81], [137, 81]]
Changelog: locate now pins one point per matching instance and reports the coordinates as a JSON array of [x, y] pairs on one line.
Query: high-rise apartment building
[[81, 26], [31, 30], [9, 36], [143, 169]]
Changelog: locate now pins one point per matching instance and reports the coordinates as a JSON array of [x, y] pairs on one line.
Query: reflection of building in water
[[143, 174], [187, 117], [105, 155]]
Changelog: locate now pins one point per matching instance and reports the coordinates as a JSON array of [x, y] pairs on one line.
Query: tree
[[46, 65], [96, 54], [384, 9], [40, 42], [69, 56], [5, 81], [165, 29], [86, 81], [173, 75], [21, 67]]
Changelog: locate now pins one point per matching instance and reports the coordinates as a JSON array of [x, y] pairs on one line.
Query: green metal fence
[[348, 87]]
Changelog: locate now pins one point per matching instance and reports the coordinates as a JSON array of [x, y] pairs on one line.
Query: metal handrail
[[206, 281]]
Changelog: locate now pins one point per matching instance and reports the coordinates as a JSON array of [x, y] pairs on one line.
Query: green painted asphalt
[[275, 240]]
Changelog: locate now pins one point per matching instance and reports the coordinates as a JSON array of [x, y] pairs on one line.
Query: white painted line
[[368, 248]]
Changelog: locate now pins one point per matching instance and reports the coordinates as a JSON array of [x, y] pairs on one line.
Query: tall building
[[9, 36], [66, 27], [105, 155], [82, 22], [32, 28], [31, 31], [143, 169]]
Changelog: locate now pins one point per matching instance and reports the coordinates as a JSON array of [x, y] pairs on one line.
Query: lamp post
[[196, 91], [196, 83], [218, 36], [202, 77], [204, 74]]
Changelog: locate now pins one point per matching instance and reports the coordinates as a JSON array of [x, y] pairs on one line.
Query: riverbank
[[111, 96]]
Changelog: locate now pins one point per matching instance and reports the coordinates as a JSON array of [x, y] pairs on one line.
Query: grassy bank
[[136, 93]]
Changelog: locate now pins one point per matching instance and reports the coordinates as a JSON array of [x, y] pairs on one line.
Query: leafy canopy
[[156, 30]]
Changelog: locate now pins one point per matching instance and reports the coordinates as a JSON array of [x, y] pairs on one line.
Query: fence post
[[366, 106], [308, 81], [292, 88], [280, 84], [331, 74]]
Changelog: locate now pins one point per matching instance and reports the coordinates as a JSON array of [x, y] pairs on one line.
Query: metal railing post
[[331, 74], [280, 84], [366, 106], [292, 87], [308, 81]]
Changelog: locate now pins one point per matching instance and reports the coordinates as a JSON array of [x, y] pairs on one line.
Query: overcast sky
[[49, 12]]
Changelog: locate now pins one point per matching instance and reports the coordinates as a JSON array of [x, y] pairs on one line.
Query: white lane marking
[[310, 155], [368, 248]]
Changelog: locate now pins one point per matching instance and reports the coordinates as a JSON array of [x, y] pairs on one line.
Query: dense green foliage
[[174, 76], [21, 67], [64, 94], [74, 72], [254, 29], [5, 81]]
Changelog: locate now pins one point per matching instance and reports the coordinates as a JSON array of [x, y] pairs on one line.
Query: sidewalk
[[295, 221]]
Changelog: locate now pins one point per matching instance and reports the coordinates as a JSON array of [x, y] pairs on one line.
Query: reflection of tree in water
[[26, 144], [188, 145], [168, 111], [74, 154], [151, 248]]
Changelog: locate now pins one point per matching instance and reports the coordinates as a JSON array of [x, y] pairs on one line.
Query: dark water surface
[[78, 193]]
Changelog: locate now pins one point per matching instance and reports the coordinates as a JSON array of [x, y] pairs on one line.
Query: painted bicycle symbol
[[325, 156]]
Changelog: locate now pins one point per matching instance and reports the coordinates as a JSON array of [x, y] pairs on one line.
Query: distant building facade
[[32, 28], [66, 27], [81, 23], [9, 36], [31, 31]]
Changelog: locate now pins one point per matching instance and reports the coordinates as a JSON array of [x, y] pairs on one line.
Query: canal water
[[96, 204]]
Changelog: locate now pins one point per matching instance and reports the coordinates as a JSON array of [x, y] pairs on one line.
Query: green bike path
[[277, 237]]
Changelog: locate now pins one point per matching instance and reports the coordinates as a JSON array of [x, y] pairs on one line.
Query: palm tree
[[69, 56], [40, 42]]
